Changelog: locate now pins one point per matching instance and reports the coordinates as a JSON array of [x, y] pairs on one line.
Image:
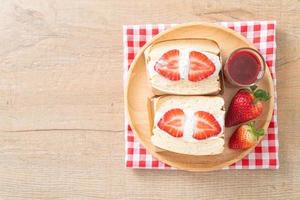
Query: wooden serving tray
[[138, 92]]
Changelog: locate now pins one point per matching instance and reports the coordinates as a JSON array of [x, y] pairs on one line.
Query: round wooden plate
[[138, 92]]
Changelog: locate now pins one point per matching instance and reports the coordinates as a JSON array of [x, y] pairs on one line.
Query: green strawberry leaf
[[256, 132], [262, 95], [260, 132]]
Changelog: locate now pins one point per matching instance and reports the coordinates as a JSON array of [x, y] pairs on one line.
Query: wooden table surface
[[61, 105]]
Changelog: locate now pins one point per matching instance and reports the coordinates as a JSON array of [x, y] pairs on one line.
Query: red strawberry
[[201, 66], [245, 105], [172, 122], [168, 65], [206, 126], [245, 136]]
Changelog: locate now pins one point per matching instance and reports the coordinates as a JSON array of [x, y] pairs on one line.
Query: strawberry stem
[[259, 94], [257, 132], [251, 124], [253, 88]]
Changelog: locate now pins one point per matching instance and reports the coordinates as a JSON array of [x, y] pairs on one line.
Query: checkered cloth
[[262, 35]]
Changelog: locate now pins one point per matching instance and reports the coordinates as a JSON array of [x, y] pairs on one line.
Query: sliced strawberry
[[168, 65], [206, 126], [201, 66], [172, 122]]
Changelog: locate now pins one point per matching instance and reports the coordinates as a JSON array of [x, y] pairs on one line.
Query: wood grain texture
[[61, 105]]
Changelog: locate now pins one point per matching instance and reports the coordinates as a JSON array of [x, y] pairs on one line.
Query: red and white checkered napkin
[[262, 35]]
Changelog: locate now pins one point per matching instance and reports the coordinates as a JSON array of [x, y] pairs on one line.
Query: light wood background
[[61, 101]]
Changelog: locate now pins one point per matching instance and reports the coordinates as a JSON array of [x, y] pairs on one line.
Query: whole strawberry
[[245, 105], [245, 136]]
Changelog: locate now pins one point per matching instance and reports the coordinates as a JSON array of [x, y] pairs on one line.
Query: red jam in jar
[[244, 67]]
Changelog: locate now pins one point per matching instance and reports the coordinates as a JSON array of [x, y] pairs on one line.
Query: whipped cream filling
[[184, 63], [189, 124]]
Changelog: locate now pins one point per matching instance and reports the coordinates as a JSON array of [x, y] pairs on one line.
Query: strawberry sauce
[[243, 67]]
